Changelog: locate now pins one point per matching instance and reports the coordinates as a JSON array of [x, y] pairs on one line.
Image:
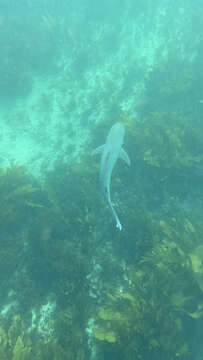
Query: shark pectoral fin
[[124, 156], [98, 150]]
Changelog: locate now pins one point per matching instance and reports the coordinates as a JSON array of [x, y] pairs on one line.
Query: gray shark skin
[[110, 152]]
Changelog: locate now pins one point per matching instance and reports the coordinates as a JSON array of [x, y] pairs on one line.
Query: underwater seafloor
[[73, 287]]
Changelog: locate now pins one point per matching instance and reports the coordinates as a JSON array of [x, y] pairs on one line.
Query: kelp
[[17, 344], [143, 317], [13, 343], [167, 140], [21, 202], [19, 192], [165, 291], [38, 235]]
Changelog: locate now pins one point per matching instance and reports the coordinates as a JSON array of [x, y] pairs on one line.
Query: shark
[[110, 152]]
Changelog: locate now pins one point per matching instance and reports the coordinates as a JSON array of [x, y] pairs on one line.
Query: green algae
[[103, 335], [164, 292], [168, 140], [148, 319]]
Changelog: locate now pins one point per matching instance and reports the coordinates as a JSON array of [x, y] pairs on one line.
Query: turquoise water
[[73, 286]]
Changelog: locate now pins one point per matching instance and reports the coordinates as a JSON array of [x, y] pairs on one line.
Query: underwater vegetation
[[46, 244], [143, 287], [21, 202], [147, 295], [179, 140], [16, 344], [56, 233], [151, 318], [175, 80], [169, 84], [167, 152], [20, 194], [166, 140]]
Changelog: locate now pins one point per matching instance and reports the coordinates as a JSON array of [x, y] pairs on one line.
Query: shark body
[[110, 152]]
